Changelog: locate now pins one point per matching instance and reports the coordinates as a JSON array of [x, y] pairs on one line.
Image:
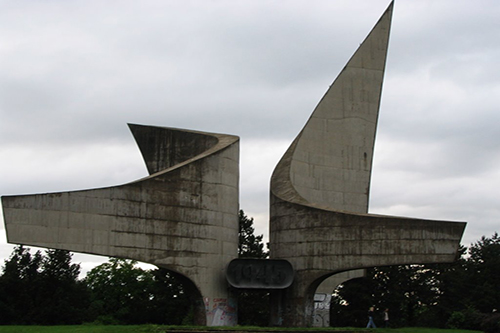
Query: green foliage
[[172, 298], [44, 289], [491, 323], [483, 270], [405, 290], [253, 305], [17, 284], [189, 320], [456, 320], [119, 291], [41, 289], [459, 295], [61, 296], [83, 329], [249, 245], [350, 304], [123, 293]]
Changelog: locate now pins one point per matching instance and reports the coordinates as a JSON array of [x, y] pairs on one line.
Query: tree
[[124, 293], [18, 283], [408, 291], [462, 294], [120, 291], [453, 289], [173, 298], [62, 297], [484, 269], [253, 305], [350, 303], [249, 245], [41, 289], [470, 289]]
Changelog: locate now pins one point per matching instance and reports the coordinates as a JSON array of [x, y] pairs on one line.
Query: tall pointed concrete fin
[[329, 163], [163, 147], [320, 189], [376, 43]]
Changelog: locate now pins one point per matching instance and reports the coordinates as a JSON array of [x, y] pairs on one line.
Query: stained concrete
[[323, 295], [320, 191], [183, 217]]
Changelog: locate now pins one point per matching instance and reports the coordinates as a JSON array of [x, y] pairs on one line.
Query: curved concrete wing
[[183, 217], [320, 190]]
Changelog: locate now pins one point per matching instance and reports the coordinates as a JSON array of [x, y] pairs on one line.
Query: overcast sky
[[74, 73]]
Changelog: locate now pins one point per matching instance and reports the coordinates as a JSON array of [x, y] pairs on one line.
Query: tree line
[[44, 288], [464, 294]]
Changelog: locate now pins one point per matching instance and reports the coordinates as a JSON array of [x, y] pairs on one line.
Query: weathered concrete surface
[[183, 217], [323, 295], [320, 190]]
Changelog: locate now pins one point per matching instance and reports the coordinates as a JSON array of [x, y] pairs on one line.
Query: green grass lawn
[[82, 329], [421, 330], [162, 329]]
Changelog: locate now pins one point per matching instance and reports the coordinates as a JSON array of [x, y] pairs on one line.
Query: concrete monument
[[184, 215], [320, 190]]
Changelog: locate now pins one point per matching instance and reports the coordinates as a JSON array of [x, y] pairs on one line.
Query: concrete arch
[[183, 216], [323, 295]]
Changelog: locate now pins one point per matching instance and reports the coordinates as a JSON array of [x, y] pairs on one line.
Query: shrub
[[468, 319], [491, 323], [456, 320]]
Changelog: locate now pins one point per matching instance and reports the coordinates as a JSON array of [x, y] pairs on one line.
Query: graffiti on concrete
[[322, 310], [221, 311]]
